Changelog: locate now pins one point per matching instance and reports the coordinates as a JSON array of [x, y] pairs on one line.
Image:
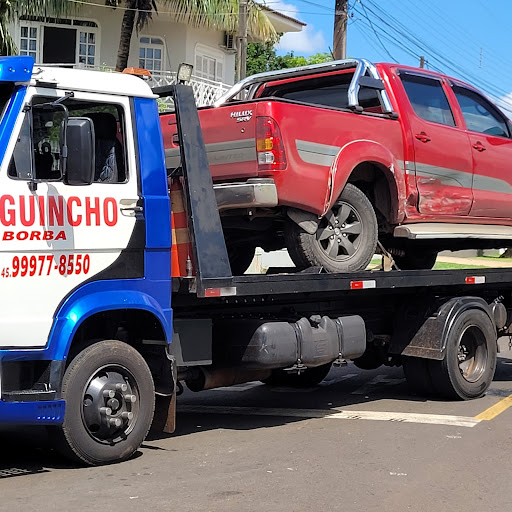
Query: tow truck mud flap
[[426, 337], [268, 345]]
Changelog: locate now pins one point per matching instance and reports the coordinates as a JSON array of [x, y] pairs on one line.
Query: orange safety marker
[[181, 249]]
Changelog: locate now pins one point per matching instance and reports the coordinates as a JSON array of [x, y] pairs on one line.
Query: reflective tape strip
[[475, 280], [363, 285], [220, 292]]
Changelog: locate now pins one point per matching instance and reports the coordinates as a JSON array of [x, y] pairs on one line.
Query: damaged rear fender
[[365, 151]]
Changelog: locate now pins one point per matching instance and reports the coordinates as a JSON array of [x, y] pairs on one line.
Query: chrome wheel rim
[[339, 232], [472, 353]]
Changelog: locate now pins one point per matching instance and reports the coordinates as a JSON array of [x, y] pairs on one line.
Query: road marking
[[337, 414], [496, 409]]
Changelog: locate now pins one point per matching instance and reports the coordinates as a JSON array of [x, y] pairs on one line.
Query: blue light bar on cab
[[16, 69]]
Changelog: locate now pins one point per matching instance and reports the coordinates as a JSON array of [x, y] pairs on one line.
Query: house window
[[59, 41], [151, 53], [209, 64], [87, 48], [28, 41]]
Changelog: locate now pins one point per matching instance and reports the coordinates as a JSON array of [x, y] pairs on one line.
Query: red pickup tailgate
[[230, 137]]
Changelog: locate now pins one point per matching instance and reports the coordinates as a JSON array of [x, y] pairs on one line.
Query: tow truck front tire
[[345, 240], [110, 402]]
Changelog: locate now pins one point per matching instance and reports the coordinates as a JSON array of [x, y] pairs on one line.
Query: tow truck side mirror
[[78, 151]]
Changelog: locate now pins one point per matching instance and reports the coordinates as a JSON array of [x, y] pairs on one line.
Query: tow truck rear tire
[[110, 402], [345, 240], [468, 367]]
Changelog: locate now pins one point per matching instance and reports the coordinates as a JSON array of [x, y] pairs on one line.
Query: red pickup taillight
[[269, 145]]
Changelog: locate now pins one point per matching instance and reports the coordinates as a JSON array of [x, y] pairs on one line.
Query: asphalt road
[[358, 442]]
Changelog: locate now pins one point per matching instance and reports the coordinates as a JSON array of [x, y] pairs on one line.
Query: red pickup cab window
[[428, 99], [328, 90], [479, 114]]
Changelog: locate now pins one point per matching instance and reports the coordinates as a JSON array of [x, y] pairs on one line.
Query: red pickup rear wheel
[[345, 240]]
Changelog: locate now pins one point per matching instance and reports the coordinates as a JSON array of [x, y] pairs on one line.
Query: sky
[[467, 39]]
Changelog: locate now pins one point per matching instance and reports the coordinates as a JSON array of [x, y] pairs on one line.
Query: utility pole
[[340, 29], [241, 40], [422, 61]]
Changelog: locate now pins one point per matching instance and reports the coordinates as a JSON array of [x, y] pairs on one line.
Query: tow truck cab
[[84, 225]]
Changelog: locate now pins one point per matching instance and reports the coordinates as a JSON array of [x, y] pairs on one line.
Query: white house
[[91, 40]]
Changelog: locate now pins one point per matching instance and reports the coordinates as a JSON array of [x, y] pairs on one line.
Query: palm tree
[[210, 14], [13, 9]]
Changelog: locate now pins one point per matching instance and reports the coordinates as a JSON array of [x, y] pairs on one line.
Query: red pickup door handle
[[423, 137], [479, 146]]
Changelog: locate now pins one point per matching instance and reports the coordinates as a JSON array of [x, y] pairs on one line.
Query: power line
[[377, 35], [453, 43], [330, 9], [434, 56], [202, 15]]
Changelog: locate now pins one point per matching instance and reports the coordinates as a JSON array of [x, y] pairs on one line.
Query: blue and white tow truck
[[93, 326]]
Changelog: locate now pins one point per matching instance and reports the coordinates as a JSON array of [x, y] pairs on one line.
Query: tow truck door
[[54, 236]]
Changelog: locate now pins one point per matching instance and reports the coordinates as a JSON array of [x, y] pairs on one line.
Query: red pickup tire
[[345, 240]]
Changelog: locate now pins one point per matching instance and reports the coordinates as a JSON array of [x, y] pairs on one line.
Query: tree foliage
[[11, 10], [262, 57], [210, 14]]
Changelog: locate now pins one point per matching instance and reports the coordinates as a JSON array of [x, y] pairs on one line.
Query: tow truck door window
[[491, 146], [42, 128], [22, 162], [441, 166]]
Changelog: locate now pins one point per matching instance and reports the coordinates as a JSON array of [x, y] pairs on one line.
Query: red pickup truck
[[329, 159]]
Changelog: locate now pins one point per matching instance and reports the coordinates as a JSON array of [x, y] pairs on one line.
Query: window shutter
[[219, 75], [199, 66]]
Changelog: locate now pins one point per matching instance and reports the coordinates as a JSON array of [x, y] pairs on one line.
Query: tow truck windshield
[[6, 90]]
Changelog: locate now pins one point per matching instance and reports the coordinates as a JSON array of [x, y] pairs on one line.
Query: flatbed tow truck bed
[[307, 282]]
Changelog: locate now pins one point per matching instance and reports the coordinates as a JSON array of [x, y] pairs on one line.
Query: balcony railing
[[205, 91]]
